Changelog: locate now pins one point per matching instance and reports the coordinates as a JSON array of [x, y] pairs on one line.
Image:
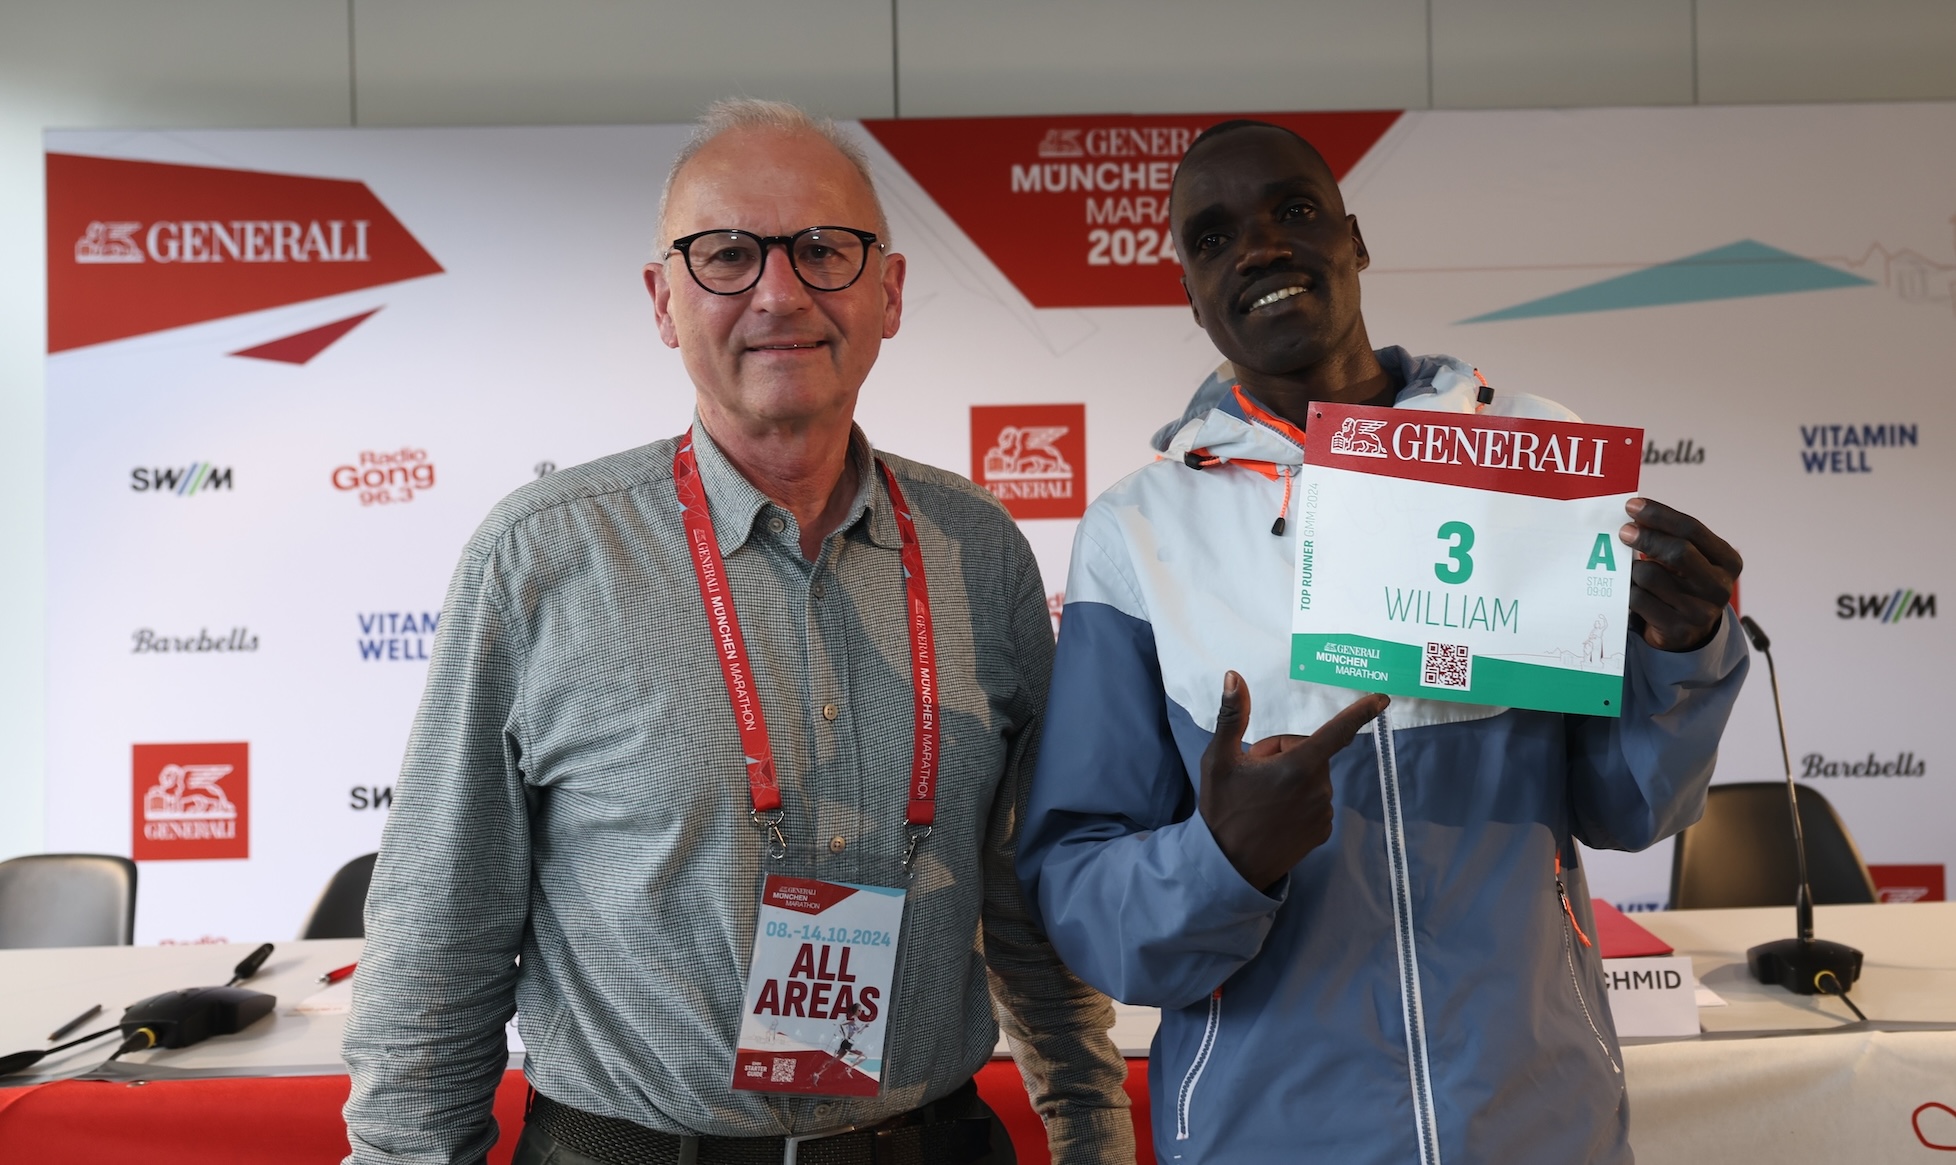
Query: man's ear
[[1193, 310], [661, 292], [1358, 242], [895, 267]]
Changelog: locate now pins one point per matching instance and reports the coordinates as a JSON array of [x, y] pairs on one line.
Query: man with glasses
[[685, 691]]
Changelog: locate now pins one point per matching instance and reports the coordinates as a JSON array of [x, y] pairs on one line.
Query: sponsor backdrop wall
[[289, 371]]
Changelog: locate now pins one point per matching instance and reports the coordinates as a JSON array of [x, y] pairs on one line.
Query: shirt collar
[[735, 503]]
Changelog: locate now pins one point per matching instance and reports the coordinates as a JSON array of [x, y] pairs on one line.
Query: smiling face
[[1270, 258], [780, 355]]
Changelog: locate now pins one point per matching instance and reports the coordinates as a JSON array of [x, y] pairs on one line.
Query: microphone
[[1802, 964], [174, 1019], [250, 965]]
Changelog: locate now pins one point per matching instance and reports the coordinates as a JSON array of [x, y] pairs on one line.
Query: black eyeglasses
[[731, 262]]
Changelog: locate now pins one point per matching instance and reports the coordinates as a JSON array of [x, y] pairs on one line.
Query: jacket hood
[[1214, 421]]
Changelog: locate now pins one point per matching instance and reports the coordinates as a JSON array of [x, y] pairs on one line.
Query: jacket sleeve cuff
[[1217, 881], [1662, 672], [1091, 1136]]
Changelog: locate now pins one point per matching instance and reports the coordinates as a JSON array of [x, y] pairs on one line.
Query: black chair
[[339, 911], [67, 900], [1741, 853]]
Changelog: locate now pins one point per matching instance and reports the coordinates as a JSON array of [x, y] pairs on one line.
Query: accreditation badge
[[1464, 557], [818, 993]]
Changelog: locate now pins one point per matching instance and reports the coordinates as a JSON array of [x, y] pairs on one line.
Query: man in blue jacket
[[1361, 953]]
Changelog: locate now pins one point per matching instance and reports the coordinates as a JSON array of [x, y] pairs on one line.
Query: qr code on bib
[[1446, 665]]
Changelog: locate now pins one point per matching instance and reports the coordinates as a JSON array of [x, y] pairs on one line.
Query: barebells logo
[[239, 639], [1685, 452], [388, 478], [1906, 764]]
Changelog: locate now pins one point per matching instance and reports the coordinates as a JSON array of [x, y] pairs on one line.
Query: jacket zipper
[[1185, 1095], [1425, 1124], [1569, 956]]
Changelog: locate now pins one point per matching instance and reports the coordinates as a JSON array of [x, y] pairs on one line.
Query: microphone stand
[[1803, 964]]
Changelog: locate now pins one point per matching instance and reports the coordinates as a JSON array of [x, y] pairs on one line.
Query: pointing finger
[[1340, 729]]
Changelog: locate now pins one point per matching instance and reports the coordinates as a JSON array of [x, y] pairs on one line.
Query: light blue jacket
[[1414, 990]]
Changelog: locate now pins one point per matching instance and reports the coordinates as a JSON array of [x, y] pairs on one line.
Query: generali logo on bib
[[191, 801], [1548, 459], [1032, 457], [140, 247]]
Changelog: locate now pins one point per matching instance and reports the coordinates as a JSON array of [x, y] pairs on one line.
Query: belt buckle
[[792, 1145]]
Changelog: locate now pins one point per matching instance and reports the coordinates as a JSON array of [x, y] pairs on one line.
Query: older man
[[703, 707], [1365, 950]]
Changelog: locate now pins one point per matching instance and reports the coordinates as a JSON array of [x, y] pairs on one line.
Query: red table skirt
[[296, 1119]]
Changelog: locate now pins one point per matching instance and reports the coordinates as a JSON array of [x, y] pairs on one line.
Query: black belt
[[925, 1136]]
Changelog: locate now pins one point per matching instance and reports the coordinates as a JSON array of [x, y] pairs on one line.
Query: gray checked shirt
[[574, 793]]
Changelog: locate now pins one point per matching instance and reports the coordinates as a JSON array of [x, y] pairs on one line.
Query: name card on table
[[1652, 996]]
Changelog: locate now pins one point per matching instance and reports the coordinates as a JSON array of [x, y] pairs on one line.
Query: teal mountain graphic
[[1736, 271]]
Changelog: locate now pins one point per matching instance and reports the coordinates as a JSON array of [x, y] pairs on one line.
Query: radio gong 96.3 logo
[[386, 478]]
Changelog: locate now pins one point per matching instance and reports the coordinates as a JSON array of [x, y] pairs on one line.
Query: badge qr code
[[1446, 665]]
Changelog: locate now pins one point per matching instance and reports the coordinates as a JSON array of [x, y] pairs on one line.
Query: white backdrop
[[535, 344]]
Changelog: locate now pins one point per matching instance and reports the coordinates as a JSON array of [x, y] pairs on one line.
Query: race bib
[[818, 993], [1464, 557]]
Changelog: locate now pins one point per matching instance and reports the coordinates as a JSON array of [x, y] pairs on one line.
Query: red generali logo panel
[[191, 801], [1074, 210], [1916, 883], [1517, 455], [139, 247], [1032, 457]]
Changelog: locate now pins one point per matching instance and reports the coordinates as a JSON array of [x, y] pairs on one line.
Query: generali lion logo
[[1032, 457], [1356, 438], [192, 801], [109, 242], [1061, 143]]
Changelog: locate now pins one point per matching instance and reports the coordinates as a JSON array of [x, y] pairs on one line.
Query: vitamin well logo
[[192, 801], [386, 478], [1846, 448], [1894, 607], [397, 636], [140, 247], [189, 481], [1032, 457]]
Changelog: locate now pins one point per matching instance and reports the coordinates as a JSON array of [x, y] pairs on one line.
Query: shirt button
[[818, 590], [836, 846], [830, 711], [776, 525]]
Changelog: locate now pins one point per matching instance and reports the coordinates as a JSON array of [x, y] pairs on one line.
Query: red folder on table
[[1619, 938]]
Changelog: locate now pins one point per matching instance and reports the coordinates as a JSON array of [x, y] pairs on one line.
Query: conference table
[[1771, 1076]]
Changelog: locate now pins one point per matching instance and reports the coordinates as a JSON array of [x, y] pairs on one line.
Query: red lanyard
[[711, 570]]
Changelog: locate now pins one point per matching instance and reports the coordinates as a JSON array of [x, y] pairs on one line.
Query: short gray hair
[[734, 113]]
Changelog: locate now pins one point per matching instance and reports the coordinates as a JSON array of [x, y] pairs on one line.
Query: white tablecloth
[[1776, 1077]]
